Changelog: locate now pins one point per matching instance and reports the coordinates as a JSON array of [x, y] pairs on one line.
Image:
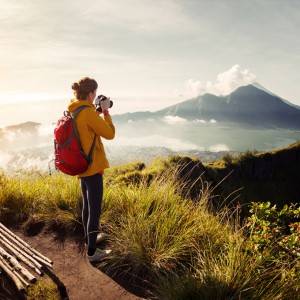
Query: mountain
[[250, 105], [23, 127], [26, 127], [256, 84]]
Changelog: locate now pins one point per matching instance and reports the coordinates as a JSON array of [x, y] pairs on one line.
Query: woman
[[89, 123]]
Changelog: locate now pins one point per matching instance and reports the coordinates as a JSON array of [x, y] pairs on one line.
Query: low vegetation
[[43, 289], [165, 243]]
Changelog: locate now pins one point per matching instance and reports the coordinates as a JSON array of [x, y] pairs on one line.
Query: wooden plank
[[22, 242], [16, 265]]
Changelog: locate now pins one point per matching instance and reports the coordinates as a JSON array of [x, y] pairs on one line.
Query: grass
[[43, 289], [152, 228], [231, 274], [183, 250], [162, 241], [53, 200]]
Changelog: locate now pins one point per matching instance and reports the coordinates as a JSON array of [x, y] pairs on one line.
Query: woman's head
[[85, 89]]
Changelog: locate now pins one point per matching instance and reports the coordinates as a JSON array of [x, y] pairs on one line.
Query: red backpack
[[69, 156]]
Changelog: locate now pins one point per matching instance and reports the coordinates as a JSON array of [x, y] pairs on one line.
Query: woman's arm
[[104, 128]]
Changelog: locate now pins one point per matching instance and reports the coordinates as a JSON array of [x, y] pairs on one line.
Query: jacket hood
[[75, 103]]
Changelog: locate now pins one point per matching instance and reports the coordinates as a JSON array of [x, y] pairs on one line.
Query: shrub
[[228, 159], [246, 156], [280, 228]]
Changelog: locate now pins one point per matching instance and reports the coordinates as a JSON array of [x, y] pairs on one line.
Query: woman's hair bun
[[83, 87], [75, 86]]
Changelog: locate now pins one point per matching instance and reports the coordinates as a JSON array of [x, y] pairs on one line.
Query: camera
[[98, 102]]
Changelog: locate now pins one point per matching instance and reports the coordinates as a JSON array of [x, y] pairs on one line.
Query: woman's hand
[[105, 112], [105, 104]]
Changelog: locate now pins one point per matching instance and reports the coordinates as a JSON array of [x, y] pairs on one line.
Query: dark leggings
[[92, 194]]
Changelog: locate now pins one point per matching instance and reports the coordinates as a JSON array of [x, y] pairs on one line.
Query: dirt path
[[82, 280]]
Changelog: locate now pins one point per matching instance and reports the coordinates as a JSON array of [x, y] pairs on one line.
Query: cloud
[[199, 121], [150, 120], [218, 147], [46, 130], [140, 15], [11, 162], [4, 159], [105, 20], [174, 120], [22, 148], [22, 138], [155, 139], [225, 83], [24, 97]]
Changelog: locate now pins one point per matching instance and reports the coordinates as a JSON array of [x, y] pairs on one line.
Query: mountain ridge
[[247, 105]]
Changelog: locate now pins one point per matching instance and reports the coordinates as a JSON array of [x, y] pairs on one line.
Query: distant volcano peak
[[253, 89], [250, 105]]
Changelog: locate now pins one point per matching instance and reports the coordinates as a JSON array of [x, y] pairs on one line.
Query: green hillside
[[252, 176], [169, 238]]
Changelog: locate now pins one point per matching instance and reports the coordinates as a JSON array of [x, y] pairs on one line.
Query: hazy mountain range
[[250, 106]]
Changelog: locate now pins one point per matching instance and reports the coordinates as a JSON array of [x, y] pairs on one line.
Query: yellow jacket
[[89, 123]]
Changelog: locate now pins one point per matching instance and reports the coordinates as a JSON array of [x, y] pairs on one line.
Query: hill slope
[[256, 176]]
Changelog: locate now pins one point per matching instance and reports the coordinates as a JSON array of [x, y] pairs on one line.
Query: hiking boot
[[102, 236], [98, 255]]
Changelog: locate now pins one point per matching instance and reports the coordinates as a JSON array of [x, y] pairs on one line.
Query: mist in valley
[[29, 144]]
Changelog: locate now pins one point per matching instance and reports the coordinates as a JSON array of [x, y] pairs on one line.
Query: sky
[[145, 54]]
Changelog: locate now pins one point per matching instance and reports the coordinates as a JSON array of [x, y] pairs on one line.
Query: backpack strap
[[74, 115]]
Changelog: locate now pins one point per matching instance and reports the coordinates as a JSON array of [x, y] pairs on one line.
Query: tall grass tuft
[[53, 200], [182, 250]]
